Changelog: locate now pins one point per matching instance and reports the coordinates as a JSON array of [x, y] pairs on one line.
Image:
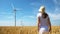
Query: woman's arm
[[49, 24], [38, 23]]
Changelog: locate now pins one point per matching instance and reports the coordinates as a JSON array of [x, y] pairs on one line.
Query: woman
[[44, 25]]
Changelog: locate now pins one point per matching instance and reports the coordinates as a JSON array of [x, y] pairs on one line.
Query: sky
[[27, 12]]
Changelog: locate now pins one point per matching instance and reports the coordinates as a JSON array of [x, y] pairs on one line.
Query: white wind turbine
[[14, 10], [22, 23]]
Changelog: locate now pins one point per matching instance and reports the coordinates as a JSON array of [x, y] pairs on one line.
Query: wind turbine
[[22, 23], [14, 10]]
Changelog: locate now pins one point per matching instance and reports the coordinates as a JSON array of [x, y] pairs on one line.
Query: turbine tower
[[14, 10]]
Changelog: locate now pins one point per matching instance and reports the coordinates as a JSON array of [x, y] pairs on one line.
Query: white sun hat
[[40, 9]]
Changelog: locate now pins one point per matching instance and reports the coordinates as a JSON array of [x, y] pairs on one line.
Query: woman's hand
[[38, 27], [50, 29]]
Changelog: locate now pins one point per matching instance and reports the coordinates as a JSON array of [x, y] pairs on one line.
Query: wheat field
[[25, 30]]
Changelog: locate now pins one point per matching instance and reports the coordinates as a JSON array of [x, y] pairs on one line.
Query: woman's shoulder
[[39, 14]]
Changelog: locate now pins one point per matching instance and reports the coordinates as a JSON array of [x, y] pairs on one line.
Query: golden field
[[25, 30]]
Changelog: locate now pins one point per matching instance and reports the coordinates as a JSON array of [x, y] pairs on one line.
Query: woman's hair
[[42, 9], [44, 15]]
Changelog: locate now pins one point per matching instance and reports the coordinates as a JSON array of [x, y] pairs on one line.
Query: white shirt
[[43, 21]]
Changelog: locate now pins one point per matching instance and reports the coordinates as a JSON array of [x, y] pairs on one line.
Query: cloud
[[6, 15], [54, 16], [35, 4], [28, 16], [56, 13], [57, 10], [10, 17], [55, 19], [57, 2], [31, 16], [6, 23]]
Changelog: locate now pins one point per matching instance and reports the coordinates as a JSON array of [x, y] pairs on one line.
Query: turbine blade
[[18, 9], [12, 6]]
